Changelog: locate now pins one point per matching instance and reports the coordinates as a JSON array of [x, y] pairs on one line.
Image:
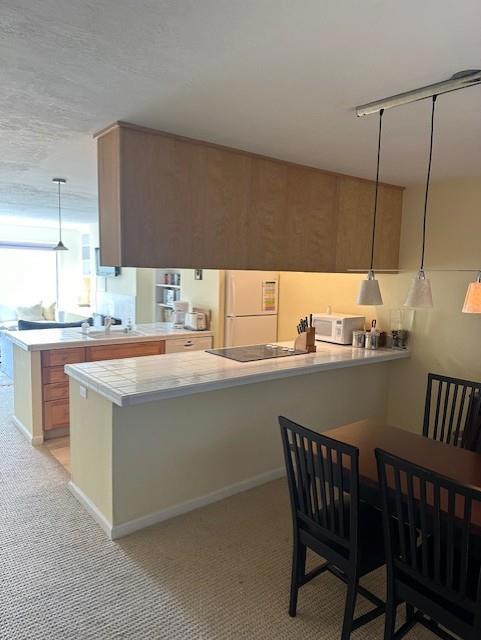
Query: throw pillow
[[30, 313], [49, 312]]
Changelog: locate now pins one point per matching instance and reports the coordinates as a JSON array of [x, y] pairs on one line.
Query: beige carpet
[[221, 572]]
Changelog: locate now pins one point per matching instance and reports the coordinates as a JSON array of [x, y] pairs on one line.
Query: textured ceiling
[[279, 77]]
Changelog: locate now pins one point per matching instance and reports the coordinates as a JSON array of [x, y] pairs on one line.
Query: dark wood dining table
[[457, 464]]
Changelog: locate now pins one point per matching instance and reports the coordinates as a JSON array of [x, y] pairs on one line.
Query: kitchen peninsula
[[41, 403], [154, 437]]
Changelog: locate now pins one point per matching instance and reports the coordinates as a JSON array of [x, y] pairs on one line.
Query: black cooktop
[[255, 352]]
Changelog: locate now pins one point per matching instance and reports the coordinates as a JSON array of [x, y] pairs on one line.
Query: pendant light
[[472, 302], [60, 245], [419, 294], [369, 293]]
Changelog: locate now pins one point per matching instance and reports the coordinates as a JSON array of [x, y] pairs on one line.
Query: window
[[27, 275]]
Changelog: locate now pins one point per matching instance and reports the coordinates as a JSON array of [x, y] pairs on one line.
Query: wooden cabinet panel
[[310, 224], [165, 199], [114, 351], [266, 215], [388, 228], [354, 224], [61, 357], [56, 391], [56, 414], [54, 374]]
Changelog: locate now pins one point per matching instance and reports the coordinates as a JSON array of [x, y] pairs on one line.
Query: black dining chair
[[432, 550], [329, 518], [448, 410]]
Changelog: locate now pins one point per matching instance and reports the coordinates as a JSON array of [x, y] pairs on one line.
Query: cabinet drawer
[[55, 414], [53, 374], [56, 391], [188, 344], [132, 350], [60, 357]]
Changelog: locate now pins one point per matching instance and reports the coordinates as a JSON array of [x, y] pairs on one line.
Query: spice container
[[359, 339]]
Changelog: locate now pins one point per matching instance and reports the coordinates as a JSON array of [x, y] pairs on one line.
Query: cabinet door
[[310, 227], [266, 215], [354, 225], [56, 414], [132, 350], [388, 229]]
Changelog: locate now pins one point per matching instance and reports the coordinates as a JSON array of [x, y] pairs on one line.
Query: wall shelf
[[168, 286]]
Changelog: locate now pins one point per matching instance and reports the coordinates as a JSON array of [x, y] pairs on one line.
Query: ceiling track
[[460, 80]]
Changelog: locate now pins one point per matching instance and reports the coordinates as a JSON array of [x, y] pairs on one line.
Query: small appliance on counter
[[196, 320], [336, 327], [180, 311]]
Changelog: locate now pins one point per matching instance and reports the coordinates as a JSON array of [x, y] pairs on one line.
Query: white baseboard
[[91, 508], [34, 440], [125, 528]]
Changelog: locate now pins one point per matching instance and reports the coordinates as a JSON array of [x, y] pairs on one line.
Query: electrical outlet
[[83, 392], [198, 275]]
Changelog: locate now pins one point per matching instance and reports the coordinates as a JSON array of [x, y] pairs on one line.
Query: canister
[[358, 339]]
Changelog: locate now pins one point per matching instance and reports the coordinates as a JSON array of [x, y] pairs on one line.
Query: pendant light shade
[[419, 294], [472, 302], [369, 292], [60, 245]]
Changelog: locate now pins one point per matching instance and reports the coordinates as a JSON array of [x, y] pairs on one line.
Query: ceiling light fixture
[[472, 302], [419, 295], [369, 293], [60, 245]]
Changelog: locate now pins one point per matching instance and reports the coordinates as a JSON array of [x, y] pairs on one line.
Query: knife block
[[306, 341]]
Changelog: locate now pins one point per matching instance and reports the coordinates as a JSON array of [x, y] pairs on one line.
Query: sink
[[100, 334]]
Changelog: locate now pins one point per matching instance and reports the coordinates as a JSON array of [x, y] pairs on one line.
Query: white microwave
[[336, 327]]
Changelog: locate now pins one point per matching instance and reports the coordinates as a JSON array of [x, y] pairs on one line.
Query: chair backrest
[[471, 438], [447, 408], [430, 538], [323, 478]]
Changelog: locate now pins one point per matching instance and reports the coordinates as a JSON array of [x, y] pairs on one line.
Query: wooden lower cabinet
[[56, 414], [55, 383]]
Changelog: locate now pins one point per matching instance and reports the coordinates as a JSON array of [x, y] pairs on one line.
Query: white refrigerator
[[251, 302]]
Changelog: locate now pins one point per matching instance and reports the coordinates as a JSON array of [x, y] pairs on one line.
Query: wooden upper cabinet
[[311, 221], [164, 199], [354, 225], [355, 220]]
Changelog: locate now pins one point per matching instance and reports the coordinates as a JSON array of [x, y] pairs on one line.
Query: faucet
[[107, 324]]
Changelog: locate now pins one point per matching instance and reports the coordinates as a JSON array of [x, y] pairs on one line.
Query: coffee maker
[[178, 315]]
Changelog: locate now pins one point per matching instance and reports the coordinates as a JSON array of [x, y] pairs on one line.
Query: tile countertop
[[43, 339], [139, 380]]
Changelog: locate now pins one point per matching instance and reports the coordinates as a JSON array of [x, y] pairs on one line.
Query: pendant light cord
[[381, 112], [59, 215], [427, 182]]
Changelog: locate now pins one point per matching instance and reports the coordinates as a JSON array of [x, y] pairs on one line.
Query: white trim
[[126, 528], [89, 506], [34, 440]]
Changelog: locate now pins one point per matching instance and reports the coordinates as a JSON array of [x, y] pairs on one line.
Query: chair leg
[[298, 570], [409, 612], [391, 609], [349, 608]]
